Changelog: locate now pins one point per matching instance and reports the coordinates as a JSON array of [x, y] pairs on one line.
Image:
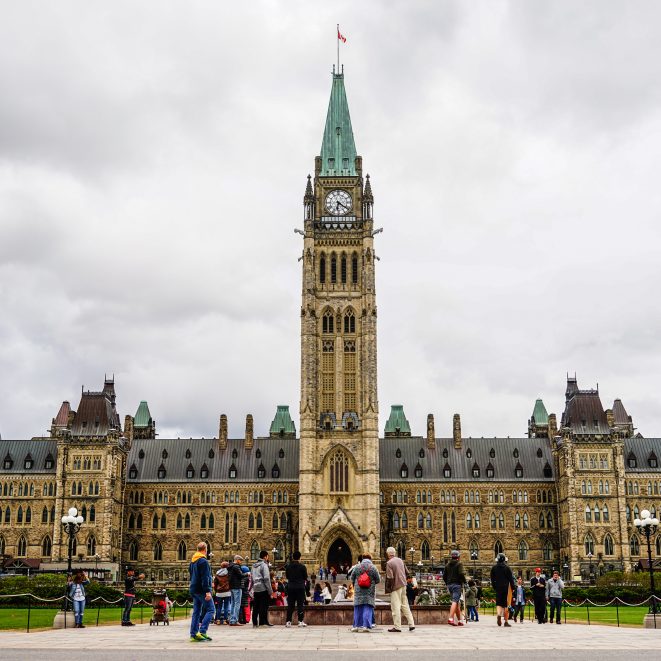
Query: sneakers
[[197, 638], [411, 628], [302, 624], [395, 630], [507, 624], [452, 623], [205, 636], [354, 629], [288, 624], [498, 620], [460, 623]]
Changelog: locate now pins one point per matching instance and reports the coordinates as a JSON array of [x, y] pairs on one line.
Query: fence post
[[98, 613], [29, 607], [617, 611], [565, 609], [587, 603], [64, 608], [174, 610], [141, 607]]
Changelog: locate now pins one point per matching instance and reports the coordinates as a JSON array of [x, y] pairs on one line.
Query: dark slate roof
[[62, 417], [246, 461], [38, 449], [620, 413], [642, 449], [585, 406], [461, 465]]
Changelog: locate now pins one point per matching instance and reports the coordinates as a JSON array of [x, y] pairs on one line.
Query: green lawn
[[42, 618], [631, 616]]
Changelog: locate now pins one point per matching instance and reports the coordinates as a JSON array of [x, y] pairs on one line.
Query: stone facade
[[564, 496]]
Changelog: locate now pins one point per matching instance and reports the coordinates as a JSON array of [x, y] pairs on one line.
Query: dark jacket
[[297, 575], [501, 577], [454, 573], [200, 575], [235, 576], [129, 586]]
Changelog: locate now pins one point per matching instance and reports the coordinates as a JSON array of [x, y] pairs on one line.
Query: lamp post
[[591, 574], [432, 563], [565, 567], [474, 559], [96, 562], [648, 525], [274, 550], [71, 523], [412, 551]]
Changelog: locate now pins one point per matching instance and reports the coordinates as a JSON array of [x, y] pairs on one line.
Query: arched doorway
[[339, 555]]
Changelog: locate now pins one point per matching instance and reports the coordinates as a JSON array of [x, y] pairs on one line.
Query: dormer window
[[188, 453], [652, 461], [8, 462], [281, 454], [28, 463], [492, 453], [404, 471], [133, 472], [275, 471], [476, 470], [540, 454], [447, 471], [418, 471], [258, 453], [469, 453], [331, 163], [421, 454], [445, 453], [632, 462], [548, 472], [164, 454], [232, 473], [190, 472], [141, 454], [161, 472], [515, 454], [49, 463], [261, 472], [204, 472], [398, 453], [490, 471], [212, 454], [235, 453], [518, 471]]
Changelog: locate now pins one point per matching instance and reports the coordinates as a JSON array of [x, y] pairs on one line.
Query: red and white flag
[[341, 37]]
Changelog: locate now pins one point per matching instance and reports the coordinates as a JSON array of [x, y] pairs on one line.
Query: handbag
[[389, 585]]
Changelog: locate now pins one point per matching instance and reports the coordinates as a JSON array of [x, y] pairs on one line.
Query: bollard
[[98, 613], [587, 603], [174, 610], [141, 607], [29, 605], [617, 611]]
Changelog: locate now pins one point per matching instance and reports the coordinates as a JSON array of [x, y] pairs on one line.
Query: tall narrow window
[[349, 374], [181, 551], [91, 546], [498, 548], [354, 269], [21, 549], [158, 551], [339, 473], [333, 269], [349, 321], [322, 269], [425, 551], [46, 547], [343, 269]]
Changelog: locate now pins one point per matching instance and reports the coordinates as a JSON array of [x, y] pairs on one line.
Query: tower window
[[322, 269], [345, 163], [354, 268], [328, 322], [333, 273], [331, 163], [339, 473], [343, 269], [349, 322]]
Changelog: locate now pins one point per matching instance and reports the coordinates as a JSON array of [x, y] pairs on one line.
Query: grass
[[42, 618]]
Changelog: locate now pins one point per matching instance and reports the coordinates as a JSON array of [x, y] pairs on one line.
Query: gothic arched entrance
[[339, 555]]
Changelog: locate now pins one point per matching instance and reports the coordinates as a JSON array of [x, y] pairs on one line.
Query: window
[[547, 550], [181, 551], [490, 472], [548, 472], [589, 544], [8, 462], [608, 545], [492, 453], [133, 550], [333, 273], [158, 551], [476, 521], [634, 545], [133, 472], [21, 547], [588, 514], [322, 268], [501, 520], [232, 472], [404, 471], [493, 521], [343, 269], [254, 550], [161, 471], [518, 471], [517, 520], [652, 461], [349, 321], [526, 523], [259, 521], [405, 521], [445, 527], [354, 268], [91, 546], [425, 551], [523, 550], [275, 471], [632, 462], [190, 472], [327, 322], [28, 463], [204, 472], [447, 471], [46, 547], [498, 548], [421, 520], [476, 470], [473, 548], [49, 463], [418, 471], [469, 521]]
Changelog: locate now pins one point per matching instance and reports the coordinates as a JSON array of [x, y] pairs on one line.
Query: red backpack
[[364, 580]]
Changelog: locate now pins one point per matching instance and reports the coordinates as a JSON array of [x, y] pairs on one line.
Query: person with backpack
[[235, 576], [297, 581], [221, 587], [246, 594], [200, 588], [455, 578], [502, 581], [364, 577]]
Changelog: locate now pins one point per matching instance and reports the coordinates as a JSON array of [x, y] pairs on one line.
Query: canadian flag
[[341, 37]]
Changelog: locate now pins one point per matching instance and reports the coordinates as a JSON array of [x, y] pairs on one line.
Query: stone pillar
[[610, 418], [553, 426], [431, 433], [456, 431], [249, 432], [222, 432]]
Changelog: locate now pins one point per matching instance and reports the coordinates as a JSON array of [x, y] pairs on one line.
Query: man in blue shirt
[[200, 590]]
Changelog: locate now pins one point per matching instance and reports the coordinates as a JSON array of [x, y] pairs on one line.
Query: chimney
[[553, 426], [222, 432], [456, 431], [128, 428], [431, 434], [249, 437], [610, 418]]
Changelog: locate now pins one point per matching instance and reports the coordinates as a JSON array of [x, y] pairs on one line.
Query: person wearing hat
[[538, 586], [454, 578], [129, 595], [235, 576], [502, 581]]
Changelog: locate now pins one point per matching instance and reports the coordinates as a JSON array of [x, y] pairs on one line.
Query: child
[[246, 595], [471, 602]]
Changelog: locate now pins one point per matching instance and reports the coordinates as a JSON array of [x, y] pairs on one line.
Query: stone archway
[[338, 536], [339, 555]]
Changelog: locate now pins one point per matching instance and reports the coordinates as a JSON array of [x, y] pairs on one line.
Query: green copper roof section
[[142, 416], [338, 150], [282, 423], [397, 422], [539, 414]]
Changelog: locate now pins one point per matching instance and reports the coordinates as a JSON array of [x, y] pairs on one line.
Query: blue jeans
[[472, 613], [556, 605], [236, 606], [78, 610], [203, 612], [223, 608]]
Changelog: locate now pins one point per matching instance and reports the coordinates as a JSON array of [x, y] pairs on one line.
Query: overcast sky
[[153, 158]]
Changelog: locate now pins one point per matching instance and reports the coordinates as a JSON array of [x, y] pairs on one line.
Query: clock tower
[[339, 457]]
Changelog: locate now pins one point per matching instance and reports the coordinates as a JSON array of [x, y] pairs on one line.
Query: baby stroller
[[160, 606]]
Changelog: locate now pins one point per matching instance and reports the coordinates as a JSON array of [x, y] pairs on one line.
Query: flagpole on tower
[[338, 48]]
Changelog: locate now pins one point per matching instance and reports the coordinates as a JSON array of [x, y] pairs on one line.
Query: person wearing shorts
[[455, 578]]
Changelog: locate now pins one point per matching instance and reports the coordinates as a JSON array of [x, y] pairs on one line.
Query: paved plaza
[[143, 642]]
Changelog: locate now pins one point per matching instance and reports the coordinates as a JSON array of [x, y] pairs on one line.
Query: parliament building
[[565, 496]]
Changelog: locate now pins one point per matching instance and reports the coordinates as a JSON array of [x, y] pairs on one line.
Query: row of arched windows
[[46, 546], [423, 497], [328, 322], [93, 488], [331, 263], [603, 487], [596, 515]]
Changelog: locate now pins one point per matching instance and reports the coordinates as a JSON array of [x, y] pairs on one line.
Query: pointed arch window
[[632, 462], [343, 268], [190, 472], [49, 463], [259, 521], [547, 550], [469, 521], [518, 471], [418, 471], [404, 471], [91, 546], [339, 472], [588, 544], [46, 547], [328, 322], [158, 551], [548, 471], [161, 471], [498, 548], [354, 268], [425, 552], [445, 527], [405, 521], [133, 472], [333, 268], [21, 547], [447, 471], [608, 545], [492, 453], [181, 550], [634, 545], [44, 515], [232, 472], [523, 550], [204, 472], [322, 268], [421, 521], [349, 321], [395, 521], [254, 550], [490, 471], [275, 471], [251, 521], [476, 470], [261, 471]]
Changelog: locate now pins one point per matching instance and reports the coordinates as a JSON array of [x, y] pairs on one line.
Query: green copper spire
[[539, 414], [397, 424], [142, 416], [338, 150], [282, 424]]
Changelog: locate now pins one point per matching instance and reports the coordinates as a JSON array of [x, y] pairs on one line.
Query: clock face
[[338, 202]]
